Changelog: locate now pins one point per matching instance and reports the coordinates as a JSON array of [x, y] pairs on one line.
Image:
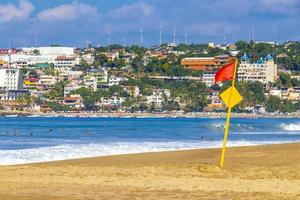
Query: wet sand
[[258, 172]]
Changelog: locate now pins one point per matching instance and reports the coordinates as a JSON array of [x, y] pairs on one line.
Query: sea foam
[[291, 127], [73, 151]]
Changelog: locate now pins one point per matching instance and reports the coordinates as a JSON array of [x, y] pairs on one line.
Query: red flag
[[225, 73]]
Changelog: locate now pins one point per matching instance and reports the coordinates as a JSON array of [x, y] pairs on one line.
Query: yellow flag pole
[[228, 119]]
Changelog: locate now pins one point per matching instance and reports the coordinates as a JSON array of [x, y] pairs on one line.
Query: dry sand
[[260, 172]]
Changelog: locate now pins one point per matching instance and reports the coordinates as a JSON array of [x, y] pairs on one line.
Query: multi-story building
[[30, 82], [215, 102], [11, 79], [65, 62], [263, 70], [208, 78], [101, 74], [290, 94], [114, 80], [206, 63], [24, 60], [132, 90], [74, 101], [47, 80], [11, 84], [158, 97], [90, 82], [70, 88], [114, 102], [50, 50]]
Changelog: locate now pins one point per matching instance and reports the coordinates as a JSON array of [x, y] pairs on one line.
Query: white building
[[64, 63], [11, 79], [114, 100], [11, 84], [114, 80], [23, 60], [74, 101], [90, 82], [50, 55], [158, 97], [50, 50], [47, 80], [208, 78], [89, 58], [132, 90], [263, 70], [70, 88], [101, 74]]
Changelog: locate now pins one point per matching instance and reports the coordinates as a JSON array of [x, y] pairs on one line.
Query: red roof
[[64, 58], [31, 79]]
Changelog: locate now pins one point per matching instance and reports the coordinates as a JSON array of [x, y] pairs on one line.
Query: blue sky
[[71, 23]]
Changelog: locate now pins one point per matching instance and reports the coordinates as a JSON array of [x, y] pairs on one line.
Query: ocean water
[[39, 139]]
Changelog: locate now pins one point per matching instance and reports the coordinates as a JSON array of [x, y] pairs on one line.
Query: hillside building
[[263, 70]]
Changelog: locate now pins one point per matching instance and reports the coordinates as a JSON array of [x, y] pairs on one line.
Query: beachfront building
[[215, 102], [158, 97], [111, 103], [8, 96], [290, 94], [263, 70], [74, 102], [206, 63]]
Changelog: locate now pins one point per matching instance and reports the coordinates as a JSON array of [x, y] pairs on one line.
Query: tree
[[242, 45], [295, 82], [170, 105], [288, 106], [285, 79], [58, 107], [36, 52], [137, 64], [273, 104], [57, 91]]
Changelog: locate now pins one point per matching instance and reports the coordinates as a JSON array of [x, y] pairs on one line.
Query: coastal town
[[167, 78]]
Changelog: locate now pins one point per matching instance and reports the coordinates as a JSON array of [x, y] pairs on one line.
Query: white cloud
[[136, 10], [67, 12], [10, 12]]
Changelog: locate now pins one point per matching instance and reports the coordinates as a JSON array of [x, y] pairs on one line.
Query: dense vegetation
[[192, 94]]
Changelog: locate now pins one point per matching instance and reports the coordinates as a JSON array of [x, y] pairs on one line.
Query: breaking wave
[[74, 151], [291, 127]]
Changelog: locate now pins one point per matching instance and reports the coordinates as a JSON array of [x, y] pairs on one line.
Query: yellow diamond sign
[[231, 97]]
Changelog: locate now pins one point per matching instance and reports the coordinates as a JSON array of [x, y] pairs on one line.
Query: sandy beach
[[258, 172]]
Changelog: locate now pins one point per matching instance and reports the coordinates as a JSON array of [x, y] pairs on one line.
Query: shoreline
[[145, 152], [146, 115], [165, 153], [253, 172]]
